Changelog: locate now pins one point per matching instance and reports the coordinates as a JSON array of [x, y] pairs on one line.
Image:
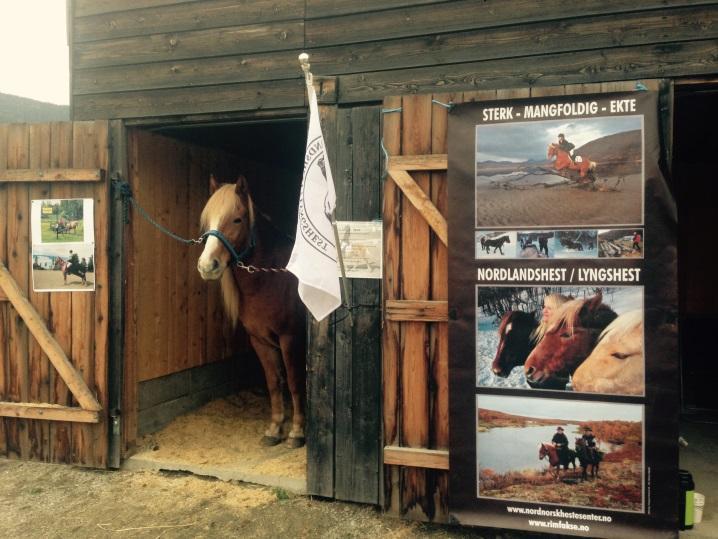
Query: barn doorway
[[195, 397], [695, 148]]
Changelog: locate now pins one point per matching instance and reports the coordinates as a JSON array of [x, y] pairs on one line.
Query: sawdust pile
[[227, 431]]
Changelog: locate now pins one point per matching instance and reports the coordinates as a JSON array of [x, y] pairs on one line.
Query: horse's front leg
[[271, 360], [294, 355]]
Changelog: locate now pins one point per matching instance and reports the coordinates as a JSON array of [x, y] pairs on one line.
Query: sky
[[521, 141], [34, 57], [562, 409]]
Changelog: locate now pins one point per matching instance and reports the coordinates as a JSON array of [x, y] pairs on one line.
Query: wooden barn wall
[[153, 58], [173, 319], [78, 321]]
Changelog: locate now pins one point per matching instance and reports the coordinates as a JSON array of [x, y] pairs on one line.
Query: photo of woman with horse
[[551, 450], [543, 337], [65, 267]]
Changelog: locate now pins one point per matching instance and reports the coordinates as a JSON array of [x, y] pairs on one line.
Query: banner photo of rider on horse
[[577, 172], [570, 453], [63, 268], [62, 221]]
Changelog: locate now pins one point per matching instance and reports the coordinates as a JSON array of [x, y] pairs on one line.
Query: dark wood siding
[[151, 58]]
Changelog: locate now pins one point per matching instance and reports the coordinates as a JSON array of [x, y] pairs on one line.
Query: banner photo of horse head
[[563, 361]]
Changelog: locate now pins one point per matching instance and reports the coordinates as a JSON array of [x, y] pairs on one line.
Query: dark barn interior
[[695, 148]]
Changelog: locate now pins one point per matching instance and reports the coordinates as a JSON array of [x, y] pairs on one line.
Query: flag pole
[[304, 63]]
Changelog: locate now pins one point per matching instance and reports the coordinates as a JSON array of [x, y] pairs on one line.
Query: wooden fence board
[[46, 174], [83, 8]]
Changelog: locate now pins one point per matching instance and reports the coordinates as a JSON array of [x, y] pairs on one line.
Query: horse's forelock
[[222, 202], [623, 325], [566, 316]]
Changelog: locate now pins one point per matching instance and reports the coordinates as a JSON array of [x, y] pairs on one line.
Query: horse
[[568, 243], [563, 161], [588, 456], [71, 269], [71, 226], [556, 460], [515, 342], [568, 341], [266, 303], [616, 364], [496, 243]]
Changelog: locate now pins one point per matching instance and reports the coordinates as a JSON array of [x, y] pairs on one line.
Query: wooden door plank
[[417, 310], [48, 412], [4, 306], [434, 459], [415, 277], [391, 286], [419, 162], [18, 257], [39, 364], [44, 174], [60, 322]]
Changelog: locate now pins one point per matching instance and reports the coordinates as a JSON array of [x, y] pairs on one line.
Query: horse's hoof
[[294, 443], [269, 441]]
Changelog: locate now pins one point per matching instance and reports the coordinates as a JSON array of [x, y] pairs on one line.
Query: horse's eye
[[237, 220], [565, 335], [619, 355]]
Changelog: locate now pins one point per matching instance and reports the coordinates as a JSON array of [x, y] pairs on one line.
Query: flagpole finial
[[304, 63]]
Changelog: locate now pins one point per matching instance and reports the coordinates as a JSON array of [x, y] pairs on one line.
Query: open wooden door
[[53, 345]]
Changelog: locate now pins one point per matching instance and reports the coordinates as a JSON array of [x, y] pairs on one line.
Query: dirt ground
[[40, 500]]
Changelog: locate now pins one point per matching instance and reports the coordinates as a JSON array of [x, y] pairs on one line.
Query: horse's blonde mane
[[623, 325], [225, 202], [567, 314]]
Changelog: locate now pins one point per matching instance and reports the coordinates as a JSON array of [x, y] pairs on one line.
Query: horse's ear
[[242, 186], [593, 303], [213, 184]]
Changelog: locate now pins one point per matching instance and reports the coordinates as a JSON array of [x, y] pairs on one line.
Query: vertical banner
[[563, 305]]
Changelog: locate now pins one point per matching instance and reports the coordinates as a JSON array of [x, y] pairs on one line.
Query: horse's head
[[514, 341], [229, 211], [552, 150], [543, 451], [572, 332], [616, 364]]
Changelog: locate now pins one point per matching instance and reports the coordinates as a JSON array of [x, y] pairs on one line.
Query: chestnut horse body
[[563, 161], [265, 303], [515, 341], [573, 333], [547, 450]]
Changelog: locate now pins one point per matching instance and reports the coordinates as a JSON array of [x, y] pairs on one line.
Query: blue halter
[[236, 257]]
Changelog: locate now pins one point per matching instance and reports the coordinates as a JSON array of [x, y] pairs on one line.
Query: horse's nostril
[[215, 264], [530, 371]]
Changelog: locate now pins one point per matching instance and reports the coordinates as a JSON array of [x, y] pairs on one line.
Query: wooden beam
[[51, 175], [421, 202], [47, 342], [416, 310], [435, 459], [419, 162], [50, 412]]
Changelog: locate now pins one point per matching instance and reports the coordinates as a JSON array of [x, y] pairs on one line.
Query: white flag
[[314, 257]]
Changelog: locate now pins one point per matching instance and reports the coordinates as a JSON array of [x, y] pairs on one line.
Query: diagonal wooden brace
[[421, 202], [47, 342]]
